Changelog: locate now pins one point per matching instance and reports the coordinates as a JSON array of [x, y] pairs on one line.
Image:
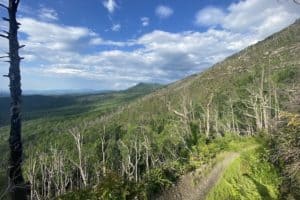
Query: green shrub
[[249, 177], [285, 75]]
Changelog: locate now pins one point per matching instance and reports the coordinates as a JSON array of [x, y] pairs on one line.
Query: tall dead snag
[[208, 115], [16, 180], [77, 134]]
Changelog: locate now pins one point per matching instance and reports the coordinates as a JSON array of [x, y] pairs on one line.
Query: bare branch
[[179, 114], [297, 1], [21, 46], [4, 36], [3, 6], [5, 32], [5, 19]]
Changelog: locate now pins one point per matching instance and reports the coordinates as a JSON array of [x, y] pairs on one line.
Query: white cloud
[[145, 21], [110, 5], [163, 11], [209, 16], [163, 57], [99, 41], [116, 27], [96, 41], [57, 50], [51, 36], [63, 70], [48, 14], [261, 17]]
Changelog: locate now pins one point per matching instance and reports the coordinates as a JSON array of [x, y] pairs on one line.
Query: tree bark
[[18, 188], [208, 115]]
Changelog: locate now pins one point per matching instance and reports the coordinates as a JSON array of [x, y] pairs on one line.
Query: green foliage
[[207, 150], [159, 178], [249, 177], [112, 187], [63, 106], [175, 143], [285, 153], [286, 75]]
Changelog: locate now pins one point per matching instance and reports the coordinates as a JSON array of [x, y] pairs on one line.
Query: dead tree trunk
[[16, 180], [77, 134], [208, 115]]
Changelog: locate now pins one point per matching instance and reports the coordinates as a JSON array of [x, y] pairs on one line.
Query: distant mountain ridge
[[144, 86], [70, 102], [138, 86]]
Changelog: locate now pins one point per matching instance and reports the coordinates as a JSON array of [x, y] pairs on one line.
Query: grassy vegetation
[[249, 177], [205, 154], [212, 151], [144, 146]]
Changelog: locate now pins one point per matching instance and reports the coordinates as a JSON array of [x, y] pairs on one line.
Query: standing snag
[[16, 181]]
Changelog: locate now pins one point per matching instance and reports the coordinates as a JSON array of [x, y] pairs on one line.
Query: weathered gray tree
[[16, 180], [297, 1]]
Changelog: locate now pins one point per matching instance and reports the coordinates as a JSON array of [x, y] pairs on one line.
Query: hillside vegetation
[[146, 145], [72, 105]]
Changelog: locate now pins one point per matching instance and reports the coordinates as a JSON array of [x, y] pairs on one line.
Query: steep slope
[[278, 55], [145, 145], [242, 94]]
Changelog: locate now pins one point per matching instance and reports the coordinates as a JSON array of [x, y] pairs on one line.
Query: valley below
[[230, 132]]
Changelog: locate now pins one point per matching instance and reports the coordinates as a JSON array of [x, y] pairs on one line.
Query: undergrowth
[[249, 177]]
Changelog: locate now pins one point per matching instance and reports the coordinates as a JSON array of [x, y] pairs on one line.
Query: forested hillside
[[144, 146], [72, 105]]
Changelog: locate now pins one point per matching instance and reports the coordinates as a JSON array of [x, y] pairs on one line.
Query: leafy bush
[[285, 153], [112, 187], [163, 177], [285, 75]]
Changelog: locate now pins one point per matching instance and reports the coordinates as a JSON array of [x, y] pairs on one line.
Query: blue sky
[[114, 44]]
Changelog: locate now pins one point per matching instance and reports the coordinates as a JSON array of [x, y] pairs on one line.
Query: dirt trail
[[193, 186]]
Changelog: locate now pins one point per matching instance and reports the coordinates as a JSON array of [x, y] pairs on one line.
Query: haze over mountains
[[4, 93], [37, 104], [148, 137]]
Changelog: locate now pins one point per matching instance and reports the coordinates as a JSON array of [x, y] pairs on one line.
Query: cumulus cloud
[[163, 11], [48, 14], [145, 21], [116, 27], [52, 36], [261, 17], [110, 5], [96, 41], [209, 16], [162, 57], [57, 50]]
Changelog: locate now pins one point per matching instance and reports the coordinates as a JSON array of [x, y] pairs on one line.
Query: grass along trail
[[220, 183], [196, 185]]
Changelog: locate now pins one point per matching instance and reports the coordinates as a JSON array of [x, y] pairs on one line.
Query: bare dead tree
[[297, 1], [208, 115], [77, 134], [16, 180]]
